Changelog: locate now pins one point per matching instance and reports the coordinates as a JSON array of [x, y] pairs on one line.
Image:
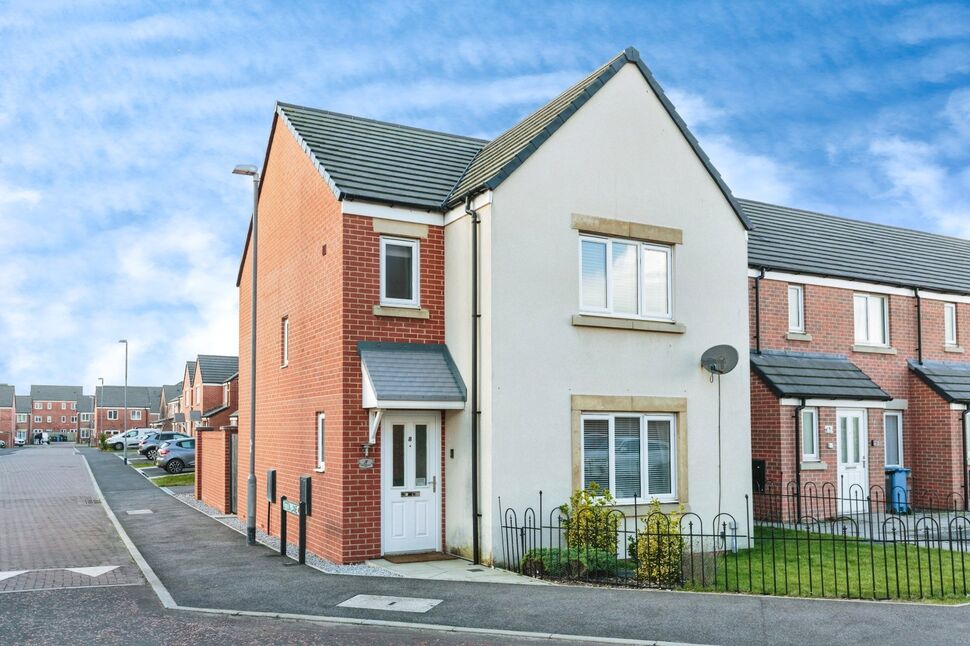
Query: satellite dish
[[720, 360]]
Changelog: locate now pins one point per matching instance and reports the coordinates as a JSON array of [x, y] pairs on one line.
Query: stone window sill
[[956, 349], [814, 466], [586, 320], [798, 336], [873, 349], [401, 312]]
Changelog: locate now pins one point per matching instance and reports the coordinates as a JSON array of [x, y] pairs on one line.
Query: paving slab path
[[204, 564]]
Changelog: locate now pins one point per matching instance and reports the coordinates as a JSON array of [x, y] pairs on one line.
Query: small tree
[[589, 519], [660, 547], [103, 441]]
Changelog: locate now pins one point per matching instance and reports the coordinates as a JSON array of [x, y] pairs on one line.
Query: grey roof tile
[[138, 397], [217, 369], [950, 379], [794, 240], [171, 391], [411, 371], [55, 393], [24, 403], [809, 375], [86, 404], [7, 395], [385, 162]]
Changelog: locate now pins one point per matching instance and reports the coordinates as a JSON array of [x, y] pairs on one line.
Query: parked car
[[3, 444], [133, 438], [175, 455], [150, 443], [20, 442]]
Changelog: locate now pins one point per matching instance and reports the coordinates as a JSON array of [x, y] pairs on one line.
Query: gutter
[[919, 325], [476, 317], [963, 458], [798, 460], [757, 311]]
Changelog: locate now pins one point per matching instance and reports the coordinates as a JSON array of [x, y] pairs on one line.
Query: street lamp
[[94, 412], [124, 437], [252, 171]]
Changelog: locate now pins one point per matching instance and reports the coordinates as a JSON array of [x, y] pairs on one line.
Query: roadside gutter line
[[169, 602]]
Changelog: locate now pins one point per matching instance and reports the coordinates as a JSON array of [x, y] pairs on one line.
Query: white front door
[[853, 472], [410, 473]]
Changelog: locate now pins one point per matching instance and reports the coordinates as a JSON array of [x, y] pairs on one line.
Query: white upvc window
[[38, 419], [85, 433], [50, 405], [284, 342], [796, 308], [893, 430], [320, 437], [113, 414], [38, 406], [21, 435], [73, 405], [85, 417], [73, 419], [63, 419], [871, 319], [50, 419], [625, 278], [950, 324], [400, 272], [809, 428], [135, 414], [633, 455], [22, 418], [63, 405], [226, 395]]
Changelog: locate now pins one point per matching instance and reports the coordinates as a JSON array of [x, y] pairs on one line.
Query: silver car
[[175, 455]]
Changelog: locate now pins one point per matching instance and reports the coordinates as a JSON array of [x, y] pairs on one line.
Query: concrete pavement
[[204, 564]]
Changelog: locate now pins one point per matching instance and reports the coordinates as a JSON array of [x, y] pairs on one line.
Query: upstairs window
[[63, 419], [796, 308], [38, 419], [22, 418], [50, 405], [85, 417], [284, 346], [135, 414], [112, 415], [950, 323], [38, 406], [399, 272], [63, 405], [226, 398], [625, 278], [871, 319], [50, 419]]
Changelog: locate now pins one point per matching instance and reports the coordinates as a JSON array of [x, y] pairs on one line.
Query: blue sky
[[120, 123]]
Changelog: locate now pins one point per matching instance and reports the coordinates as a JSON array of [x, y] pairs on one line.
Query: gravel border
[[314, 561]]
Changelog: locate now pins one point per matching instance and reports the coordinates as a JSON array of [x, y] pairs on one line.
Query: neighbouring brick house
[[54, 410], [85, 419], [22, 423], [203, 390], [857, 362], [443, 320], [8, 414], [217, 433], [142, 403], [170, 405]]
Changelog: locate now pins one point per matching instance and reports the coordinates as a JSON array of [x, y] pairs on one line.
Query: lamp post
[[124, 436], [252, 171], [97, 421]]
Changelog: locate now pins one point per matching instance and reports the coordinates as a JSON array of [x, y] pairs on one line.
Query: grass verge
[[141, 465], [179, 480]]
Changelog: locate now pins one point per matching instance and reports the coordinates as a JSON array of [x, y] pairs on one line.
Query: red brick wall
[[829, 319], [117, 425], [213, 468], [320, 269], [7, 423], [56, 412]]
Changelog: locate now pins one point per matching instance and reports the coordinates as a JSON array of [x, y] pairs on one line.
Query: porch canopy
[[950, 379], [414, 376], [805, 375]]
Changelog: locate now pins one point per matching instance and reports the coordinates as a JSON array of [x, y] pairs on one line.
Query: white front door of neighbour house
[[411, 489], [853, 459]]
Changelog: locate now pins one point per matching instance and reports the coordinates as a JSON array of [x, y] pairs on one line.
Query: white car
[[20, 442], [133, 437]]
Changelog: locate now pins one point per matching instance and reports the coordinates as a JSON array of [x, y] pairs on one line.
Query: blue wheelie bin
[[897, 491]]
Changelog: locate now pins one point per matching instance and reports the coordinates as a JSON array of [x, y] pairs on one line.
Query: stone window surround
[[580, 404]]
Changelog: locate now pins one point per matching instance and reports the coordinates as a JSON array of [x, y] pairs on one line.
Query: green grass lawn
[[790, 563], [175, 481], [141, 465]]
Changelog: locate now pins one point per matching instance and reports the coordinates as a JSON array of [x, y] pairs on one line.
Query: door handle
[[434, 484]]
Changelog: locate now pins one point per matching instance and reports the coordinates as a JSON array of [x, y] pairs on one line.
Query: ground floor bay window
[[632, 455]]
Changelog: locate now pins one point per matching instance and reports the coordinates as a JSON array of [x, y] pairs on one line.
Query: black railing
[[874, 552]]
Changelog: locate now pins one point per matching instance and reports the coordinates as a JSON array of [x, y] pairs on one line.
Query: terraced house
[[142, 407], [22, 422], [444, 321], [54, 410], [859, 366], [204, 391], [8, 414]]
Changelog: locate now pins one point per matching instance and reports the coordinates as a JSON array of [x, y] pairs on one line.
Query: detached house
[[858, 358], [445, 321]]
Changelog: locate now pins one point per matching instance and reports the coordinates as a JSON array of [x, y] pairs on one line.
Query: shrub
[[660, 547], [103, 441], [573, 562], [589, 520]]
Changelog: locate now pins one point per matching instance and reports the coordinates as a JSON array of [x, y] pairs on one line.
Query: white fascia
[[841, 403], [479, 201], [857, 285], [387, 212]]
